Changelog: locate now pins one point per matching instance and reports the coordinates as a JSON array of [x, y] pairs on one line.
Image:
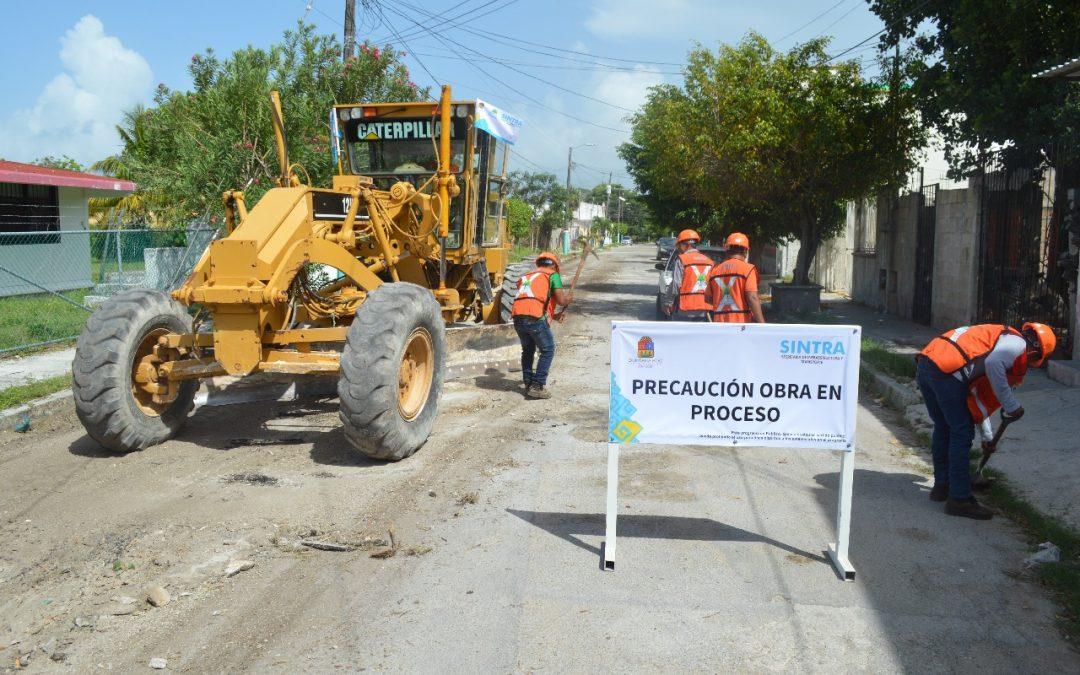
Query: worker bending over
[[684, 297], [732, 292], [964, 367], [539, 291]]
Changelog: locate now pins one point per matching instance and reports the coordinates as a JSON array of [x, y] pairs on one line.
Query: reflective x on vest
[[727, 301], [700, 276], [533, 294]]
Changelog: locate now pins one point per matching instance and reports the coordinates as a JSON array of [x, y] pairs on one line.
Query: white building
[[37, 206]]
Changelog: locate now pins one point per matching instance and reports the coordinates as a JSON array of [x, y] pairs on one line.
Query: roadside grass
[[520, 252], [879, 356], [26, 319], [1062, 579], [24, 393]]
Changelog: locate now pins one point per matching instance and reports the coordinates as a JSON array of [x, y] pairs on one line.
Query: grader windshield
[[390, 143]]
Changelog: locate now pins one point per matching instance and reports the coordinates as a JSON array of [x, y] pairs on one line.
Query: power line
[[842, 17], [551, 66], [413, 32], [441, 38], [887, 26], [434, 79], [516, 70], [808, 23], [559, 50]]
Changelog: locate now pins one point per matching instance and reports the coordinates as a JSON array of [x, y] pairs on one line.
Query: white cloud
[[77, 111]]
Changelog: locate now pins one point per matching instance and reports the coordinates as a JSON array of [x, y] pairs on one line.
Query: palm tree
[[141, 205]]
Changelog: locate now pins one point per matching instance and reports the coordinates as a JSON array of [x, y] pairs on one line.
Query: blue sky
[[73, 67]]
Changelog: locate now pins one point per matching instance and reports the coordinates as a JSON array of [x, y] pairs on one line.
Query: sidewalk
[[23, 370], [1040, 455]]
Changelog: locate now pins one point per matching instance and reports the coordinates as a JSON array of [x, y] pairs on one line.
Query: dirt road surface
[[497, 524]]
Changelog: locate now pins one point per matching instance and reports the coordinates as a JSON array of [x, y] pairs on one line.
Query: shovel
[[980, 480]]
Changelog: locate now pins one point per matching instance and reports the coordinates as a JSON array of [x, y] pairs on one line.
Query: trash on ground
[[1047, 553], [325, 545]]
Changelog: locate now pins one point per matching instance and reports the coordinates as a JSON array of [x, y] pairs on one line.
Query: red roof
[[32, 174]]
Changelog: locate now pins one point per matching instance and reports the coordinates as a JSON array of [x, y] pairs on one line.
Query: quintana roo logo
[[645, 348]]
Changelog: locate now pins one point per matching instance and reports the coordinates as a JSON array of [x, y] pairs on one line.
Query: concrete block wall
[[832, 266], [956, 259], [901, 235]]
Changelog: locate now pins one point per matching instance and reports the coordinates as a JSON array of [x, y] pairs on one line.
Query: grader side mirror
[[660, 265]]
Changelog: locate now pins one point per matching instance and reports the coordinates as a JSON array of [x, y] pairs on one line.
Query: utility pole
[[607, 203], [348, 50]]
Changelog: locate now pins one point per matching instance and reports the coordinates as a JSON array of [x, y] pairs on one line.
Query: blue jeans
[[535, 334], [954, 430]]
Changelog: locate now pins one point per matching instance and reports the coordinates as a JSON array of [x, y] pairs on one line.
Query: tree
[[972, 74], [61, 162], [519, 217], [191, 146], [773, 143], [552, 203]]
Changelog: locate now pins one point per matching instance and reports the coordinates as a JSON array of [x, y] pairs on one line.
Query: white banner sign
[[779, 385], [497, 122]]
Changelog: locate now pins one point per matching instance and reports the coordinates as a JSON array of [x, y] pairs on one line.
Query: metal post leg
[[612, 505], [838, 552]]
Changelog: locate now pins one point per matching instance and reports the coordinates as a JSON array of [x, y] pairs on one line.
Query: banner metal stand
[[837, 552]]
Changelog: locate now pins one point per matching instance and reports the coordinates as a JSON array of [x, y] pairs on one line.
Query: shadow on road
[[494, 379], [571, 526]]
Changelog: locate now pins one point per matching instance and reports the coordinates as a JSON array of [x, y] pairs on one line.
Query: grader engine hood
[[244, 278]]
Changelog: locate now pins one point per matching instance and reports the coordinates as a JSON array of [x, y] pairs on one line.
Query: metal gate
[[922, 300], [1022, 240]]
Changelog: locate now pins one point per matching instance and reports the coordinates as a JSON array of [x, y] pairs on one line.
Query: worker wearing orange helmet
[[539, 291], [964, 375], [684, 298], [733, 285]]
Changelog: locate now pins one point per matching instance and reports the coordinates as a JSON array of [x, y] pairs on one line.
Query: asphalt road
[[498, 522]]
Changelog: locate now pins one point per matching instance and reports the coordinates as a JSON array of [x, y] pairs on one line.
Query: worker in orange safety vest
[[966, 367], [539, 291], [684, 297], [732, 292]]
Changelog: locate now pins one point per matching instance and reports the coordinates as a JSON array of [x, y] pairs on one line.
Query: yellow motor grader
[[358, 279]]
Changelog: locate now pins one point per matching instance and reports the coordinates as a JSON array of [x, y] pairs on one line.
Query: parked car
[[664, 247], [626, 241], [715, 253]]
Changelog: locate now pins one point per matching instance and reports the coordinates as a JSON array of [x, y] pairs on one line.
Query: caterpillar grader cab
[[359, 278]]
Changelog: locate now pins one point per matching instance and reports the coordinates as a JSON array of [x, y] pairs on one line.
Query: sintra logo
[[811, 350], [645, 349]]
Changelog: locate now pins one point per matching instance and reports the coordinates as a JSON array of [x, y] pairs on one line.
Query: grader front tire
[[114, 411], [508, 290], [392, 371]]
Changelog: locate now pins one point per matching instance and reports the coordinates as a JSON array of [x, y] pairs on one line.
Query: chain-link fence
[[51, 280]]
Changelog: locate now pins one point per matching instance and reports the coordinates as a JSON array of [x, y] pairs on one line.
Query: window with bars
[[30, 209]]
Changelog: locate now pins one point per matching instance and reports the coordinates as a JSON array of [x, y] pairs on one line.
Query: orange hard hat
[[737, 239], [1047, 340], [687, 235], [548, 255]]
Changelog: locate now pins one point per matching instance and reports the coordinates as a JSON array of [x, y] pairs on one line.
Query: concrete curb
[[36, 409], [897, 395]]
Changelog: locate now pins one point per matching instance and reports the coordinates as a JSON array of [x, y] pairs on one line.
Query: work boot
[[537, 391], [940, 492], [968, 508]]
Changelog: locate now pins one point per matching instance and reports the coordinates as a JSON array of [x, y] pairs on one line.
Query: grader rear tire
[[508, 290], [392, 371], [114, 411]]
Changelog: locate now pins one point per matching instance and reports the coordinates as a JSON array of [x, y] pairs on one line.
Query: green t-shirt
[[554, 281]]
